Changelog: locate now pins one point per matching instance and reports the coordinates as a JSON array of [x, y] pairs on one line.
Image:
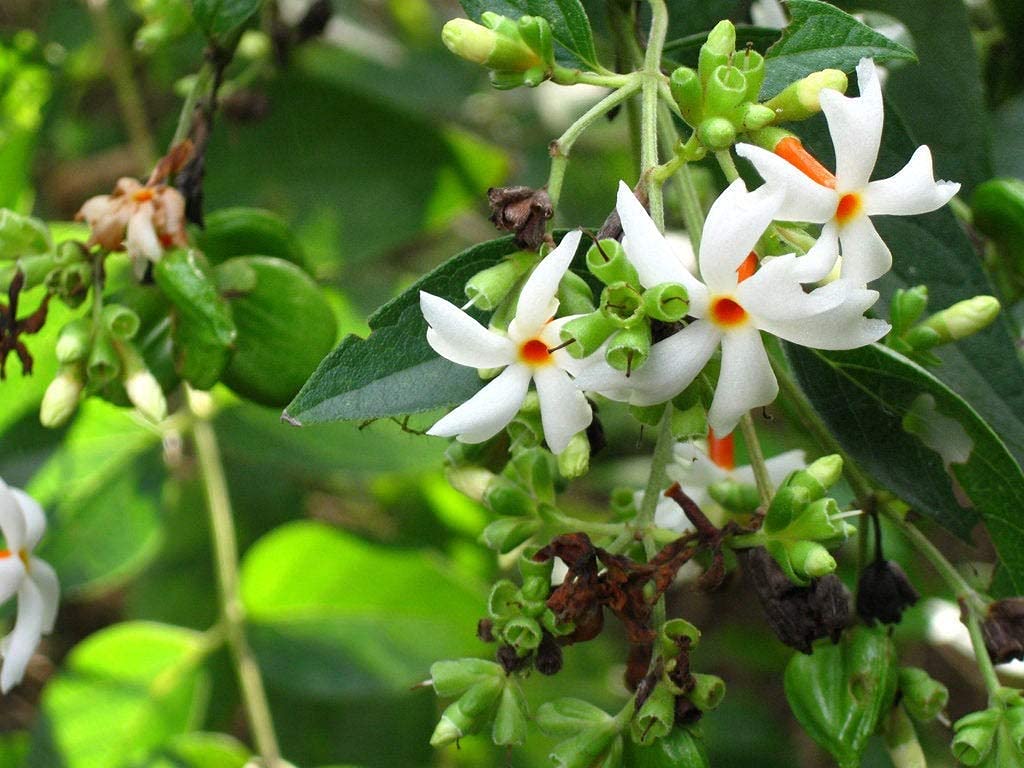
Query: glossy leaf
[[122, 693], [909, 432], [820, 36], [394, 371], [218, 18], [569, 22]]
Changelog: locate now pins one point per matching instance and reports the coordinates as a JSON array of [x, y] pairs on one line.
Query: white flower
[[32, 580], [525, 351], [730, 312], [845, 202]]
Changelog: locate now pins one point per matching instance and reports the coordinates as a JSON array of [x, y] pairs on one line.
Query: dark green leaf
[[243, 231], [217, 18], [394, 371], [569, 23], [820, 36], [878, 404]]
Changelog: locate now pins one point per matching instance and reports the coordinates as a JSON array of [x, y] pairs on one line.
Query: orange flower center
[[534, 352], [22, 555], [727, 312], [792, 151], [849, 207], [722, 450], [143, 195]]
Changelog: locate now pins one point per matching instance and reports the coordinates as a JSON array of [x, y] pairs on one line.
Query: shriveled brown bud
[[797, 615], [523, 211], [485, 630], [884, 592], [510, 660], [548, 660], [1003, 630]]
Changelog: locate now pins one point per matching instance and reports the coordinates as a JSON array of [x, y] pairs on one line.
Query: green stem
[[656, 481], [985, 666], [727, 164], [564, 76], [649, 109], [756, 456], [686, 189], [222, 527], [562, 146], [201, 86]]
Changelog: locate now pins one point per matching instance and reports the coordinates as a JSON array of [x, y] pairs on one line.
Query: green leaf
[[22, 236], [332, 615], [569, 22], [910, 433], [122, 693], [820, 36], [218, 18], [203, 330], [242, 231], [394, 371], [198, 750]]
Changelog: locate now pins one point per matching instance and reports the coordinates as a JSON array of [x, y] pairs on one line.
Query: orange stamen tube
[[792, 151], [747, 268], [722, 450]]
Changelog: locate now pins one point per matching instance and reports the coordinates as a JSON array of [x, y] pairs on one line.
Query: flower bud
[[716, 133], [1003, 630], [622, 304], [469, 713], [574, 461], [819, 476], [73, 341], [810, 559], [62, 396], [489, 287], [455, 677], [962, 319], [754, 117], [121, 322], [655, 717], [725, 90], [505, 497], [496, 44], [470, 481], [510, 719], [708, 691], [568, 717], [789, 501], [907, 307], [688, 94], [588, 333], [607, 261], [717, 50], [104, 363], [923, 696], [739, 498], [668, 302], [974, 734], [506, 534], [536, 33], [751, 63], [802, 99], [574, 295], [142, 387], [884, 592], [628, 348]]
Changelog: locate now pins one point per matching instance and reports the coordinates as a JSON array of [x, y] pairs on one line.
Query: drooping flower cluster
[[33, 581]]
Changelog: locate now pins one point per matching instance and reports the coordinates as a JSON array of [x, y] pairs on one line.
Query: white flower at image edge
[[32, 580], [523, 352], [845, 202], [730, 313]]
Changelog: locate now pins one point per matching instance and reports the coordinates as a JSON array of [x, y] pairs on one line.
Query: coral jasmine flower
[[527, 353], [844, 202], [32, 580], [729, 312]]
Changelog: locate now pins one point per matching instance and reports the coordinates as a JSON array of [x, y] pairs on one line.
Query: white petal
[[35, 518], [735, 223], [537, 302], [774, 292], [694, 467], [816, 264], [141, 238], [803, 198], [671, 366], [455, 335], [12, 519], [22, 642], [856, 128], [551, 335], [12, 572], [670, 516], [842, 327], [911, 191], [866, 257], [48, 584], [564, 409], [649, 251], [779, 467], [489, 410], [746, 380]]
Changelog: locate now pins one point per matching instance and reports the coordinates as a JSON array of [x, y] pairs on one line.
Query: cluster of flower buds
[[993, 737], [97, 353], [591, 738], [914, 339], [516, 52], [799, 522], [487, 696], [721, 98], [518, 494]]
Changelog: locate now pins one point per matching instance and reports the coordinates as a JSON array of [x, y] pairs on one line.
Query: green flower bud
[[923, 696], [655, 717], [522, 633], [574, 461], [568, 717], [668, 302], [810, 559], [725, 90], [752, 65], [471, 482], [739, 498], [468, 714], [628, 349], [974, 735], [588, 333], [505, 497], [608, 263], [489, 287], [827, 470], [591, 748], [62, 396], [963, 318], [922, 338], [688, 93], [455, 677], [788, 502], [622, 304], [506, 534], [708, 691], [717, 50], [73, 341], [535, 31], [753, 117], [716, 133], [574, 295], [1013, 723], [121, 322], [104, 363], [510, 719], [496, 44], [802, 99], [907, 307]]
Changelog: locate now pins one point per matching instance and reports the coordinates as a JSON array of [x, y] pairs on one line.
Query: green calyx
[[924, 697], [629, 348], [587, 333], [489, 287], [667, 302], [802, 99], [622, 304], [656, 716], [607, 261], [517, 52]]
